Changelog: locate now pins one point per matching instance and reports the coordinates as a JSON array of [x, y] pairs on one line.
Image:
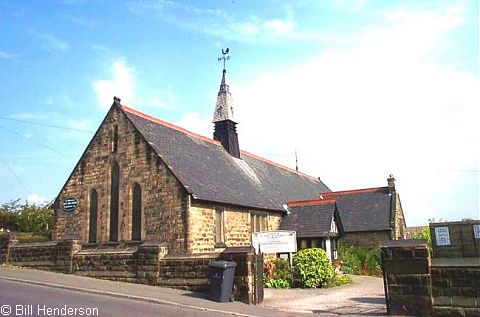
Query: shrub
[[360, 261], [277, 283], [312, 267], [26, 218], [277, 273], [424, 235], [340, 279]]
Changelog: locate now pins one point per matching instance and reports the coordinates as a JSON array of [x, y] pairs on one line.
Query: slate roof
[[310, 220], [209, 173], [359, 210], [364, 210]]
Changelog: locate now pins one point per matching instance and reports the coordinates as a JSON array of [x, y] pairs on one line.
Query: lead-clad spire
[[223, 117]]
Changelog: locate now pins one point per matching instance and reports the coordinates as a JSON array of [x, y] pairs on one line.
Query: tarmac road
[[20, 299]]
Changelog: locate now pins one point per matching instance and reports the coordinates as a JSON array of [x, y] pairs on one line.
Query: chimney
[[391, 184]]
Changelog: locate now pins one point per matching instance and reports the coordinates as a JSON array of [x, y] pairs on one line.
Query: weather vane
[[225, 56]]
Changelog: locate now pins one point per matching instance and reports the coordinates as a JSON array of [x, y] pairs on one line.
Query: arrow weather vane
[[225, 56]]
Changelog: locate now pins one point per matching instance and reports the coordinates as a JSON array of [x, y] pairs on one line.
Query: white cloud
[[50, 42], [121, 84], [224, 25], [36, 199], [194, 122], [5, 55], [358, 114]]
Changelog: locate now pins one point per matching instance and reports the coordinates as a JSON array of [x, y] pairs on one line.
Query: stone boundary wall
[[146, 263], [419, 286], [462, 240]]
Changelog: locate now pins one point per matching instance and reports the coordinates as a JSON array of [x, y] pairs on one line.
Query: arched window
[[114, 199], [136, 212], [92, 225]]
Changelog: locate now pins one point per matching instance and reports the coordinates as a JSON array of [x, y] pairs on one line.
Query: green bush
[[282, 269], [26, 218], [340, 279], [424, 235], [277, 283], [312, 268], [360, 261]]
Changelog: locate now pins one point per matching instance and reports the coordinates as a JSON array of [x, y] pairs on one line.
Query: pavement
[[363, 297]]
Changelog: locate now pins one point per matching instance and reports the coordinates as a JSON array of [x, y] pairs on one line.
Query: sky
[[359, 89]]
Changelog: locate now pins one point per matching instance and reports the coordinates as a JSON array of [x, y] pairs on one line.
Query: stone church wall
[[366, 240], [237, 226], [164, 200]]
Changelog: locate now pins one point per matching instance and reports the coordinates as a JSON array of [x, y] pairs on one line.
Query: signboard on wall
[[476, 231], [280, 241], [442, 236], [69, 204]]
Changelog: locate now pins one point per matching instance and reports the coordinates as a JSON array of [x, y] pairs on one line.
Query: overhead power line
[[47, 125], [15, 175], [33, 141]]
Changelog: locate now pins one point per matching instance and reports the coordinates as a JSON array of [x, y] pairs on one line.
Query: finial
[[224, 57], [116, 100]]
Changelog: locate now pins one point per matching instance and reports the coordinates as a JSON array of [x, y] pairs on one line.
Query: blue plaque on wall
[[69, 204]]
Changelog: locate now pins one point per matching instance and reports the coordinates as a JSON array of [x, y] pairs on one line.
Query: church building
[[143, 179]]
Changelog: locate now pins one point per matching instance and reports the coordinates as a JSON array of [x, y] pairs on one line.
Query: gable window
[[92, 224], [219, 226], [114, 199], [258, 221], [114, 139], [136, 212]]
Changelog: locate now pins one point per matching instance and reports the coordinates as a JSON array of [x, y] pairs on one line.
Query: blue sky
[[360, 88]]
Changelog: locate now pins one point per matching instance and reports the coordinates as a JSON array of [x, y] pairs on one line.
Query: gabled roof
[[364, 210], [310, 220], [359, 210], [209, 173]]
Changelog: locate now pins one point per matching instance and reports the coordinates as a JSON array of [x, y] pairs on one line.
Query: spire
[[225, 125], [224, 105]]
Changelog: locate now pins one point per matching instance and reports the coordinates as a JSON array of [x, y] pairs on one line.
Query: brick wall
[[164, 200]]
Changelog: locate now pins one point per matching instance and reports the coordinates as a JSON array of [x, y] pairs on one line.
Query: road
[[34, 300]]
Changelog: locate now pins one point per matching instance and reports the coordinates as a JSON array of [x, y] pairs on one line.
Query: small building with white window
[[317, 225]]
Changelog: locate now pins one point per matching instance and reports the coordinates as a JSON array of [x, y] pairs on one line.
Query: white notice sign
[[280, 241], [476, 231], [442, 236]]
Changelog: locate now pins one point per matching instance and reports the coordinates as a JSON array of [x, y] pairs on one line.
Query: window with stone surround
[[93, 210], [219, 226], [258, 221], [114, 139], [136, 212], [114, 200]]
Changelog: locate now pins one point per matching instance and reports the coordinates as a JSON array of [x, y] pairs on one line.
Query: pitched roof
[[209, 173], [310, 220], [364, 210], [359, 210]]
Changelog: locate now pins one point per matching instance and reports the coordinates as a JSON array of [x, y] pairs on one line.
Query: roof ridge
[[354, 191], [167, 124], [309, 202], [204, 138], [278, 165]]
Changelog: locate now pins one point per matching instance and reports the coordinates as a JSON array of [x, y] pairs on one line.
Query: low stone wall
[[417, 285], [462, 242], [456, 287], [407, 273], [146, 263]]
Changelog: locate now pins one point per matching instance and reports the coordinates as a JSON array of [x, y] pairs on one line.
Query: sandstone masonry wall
[[237, 226], [366, 240]]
